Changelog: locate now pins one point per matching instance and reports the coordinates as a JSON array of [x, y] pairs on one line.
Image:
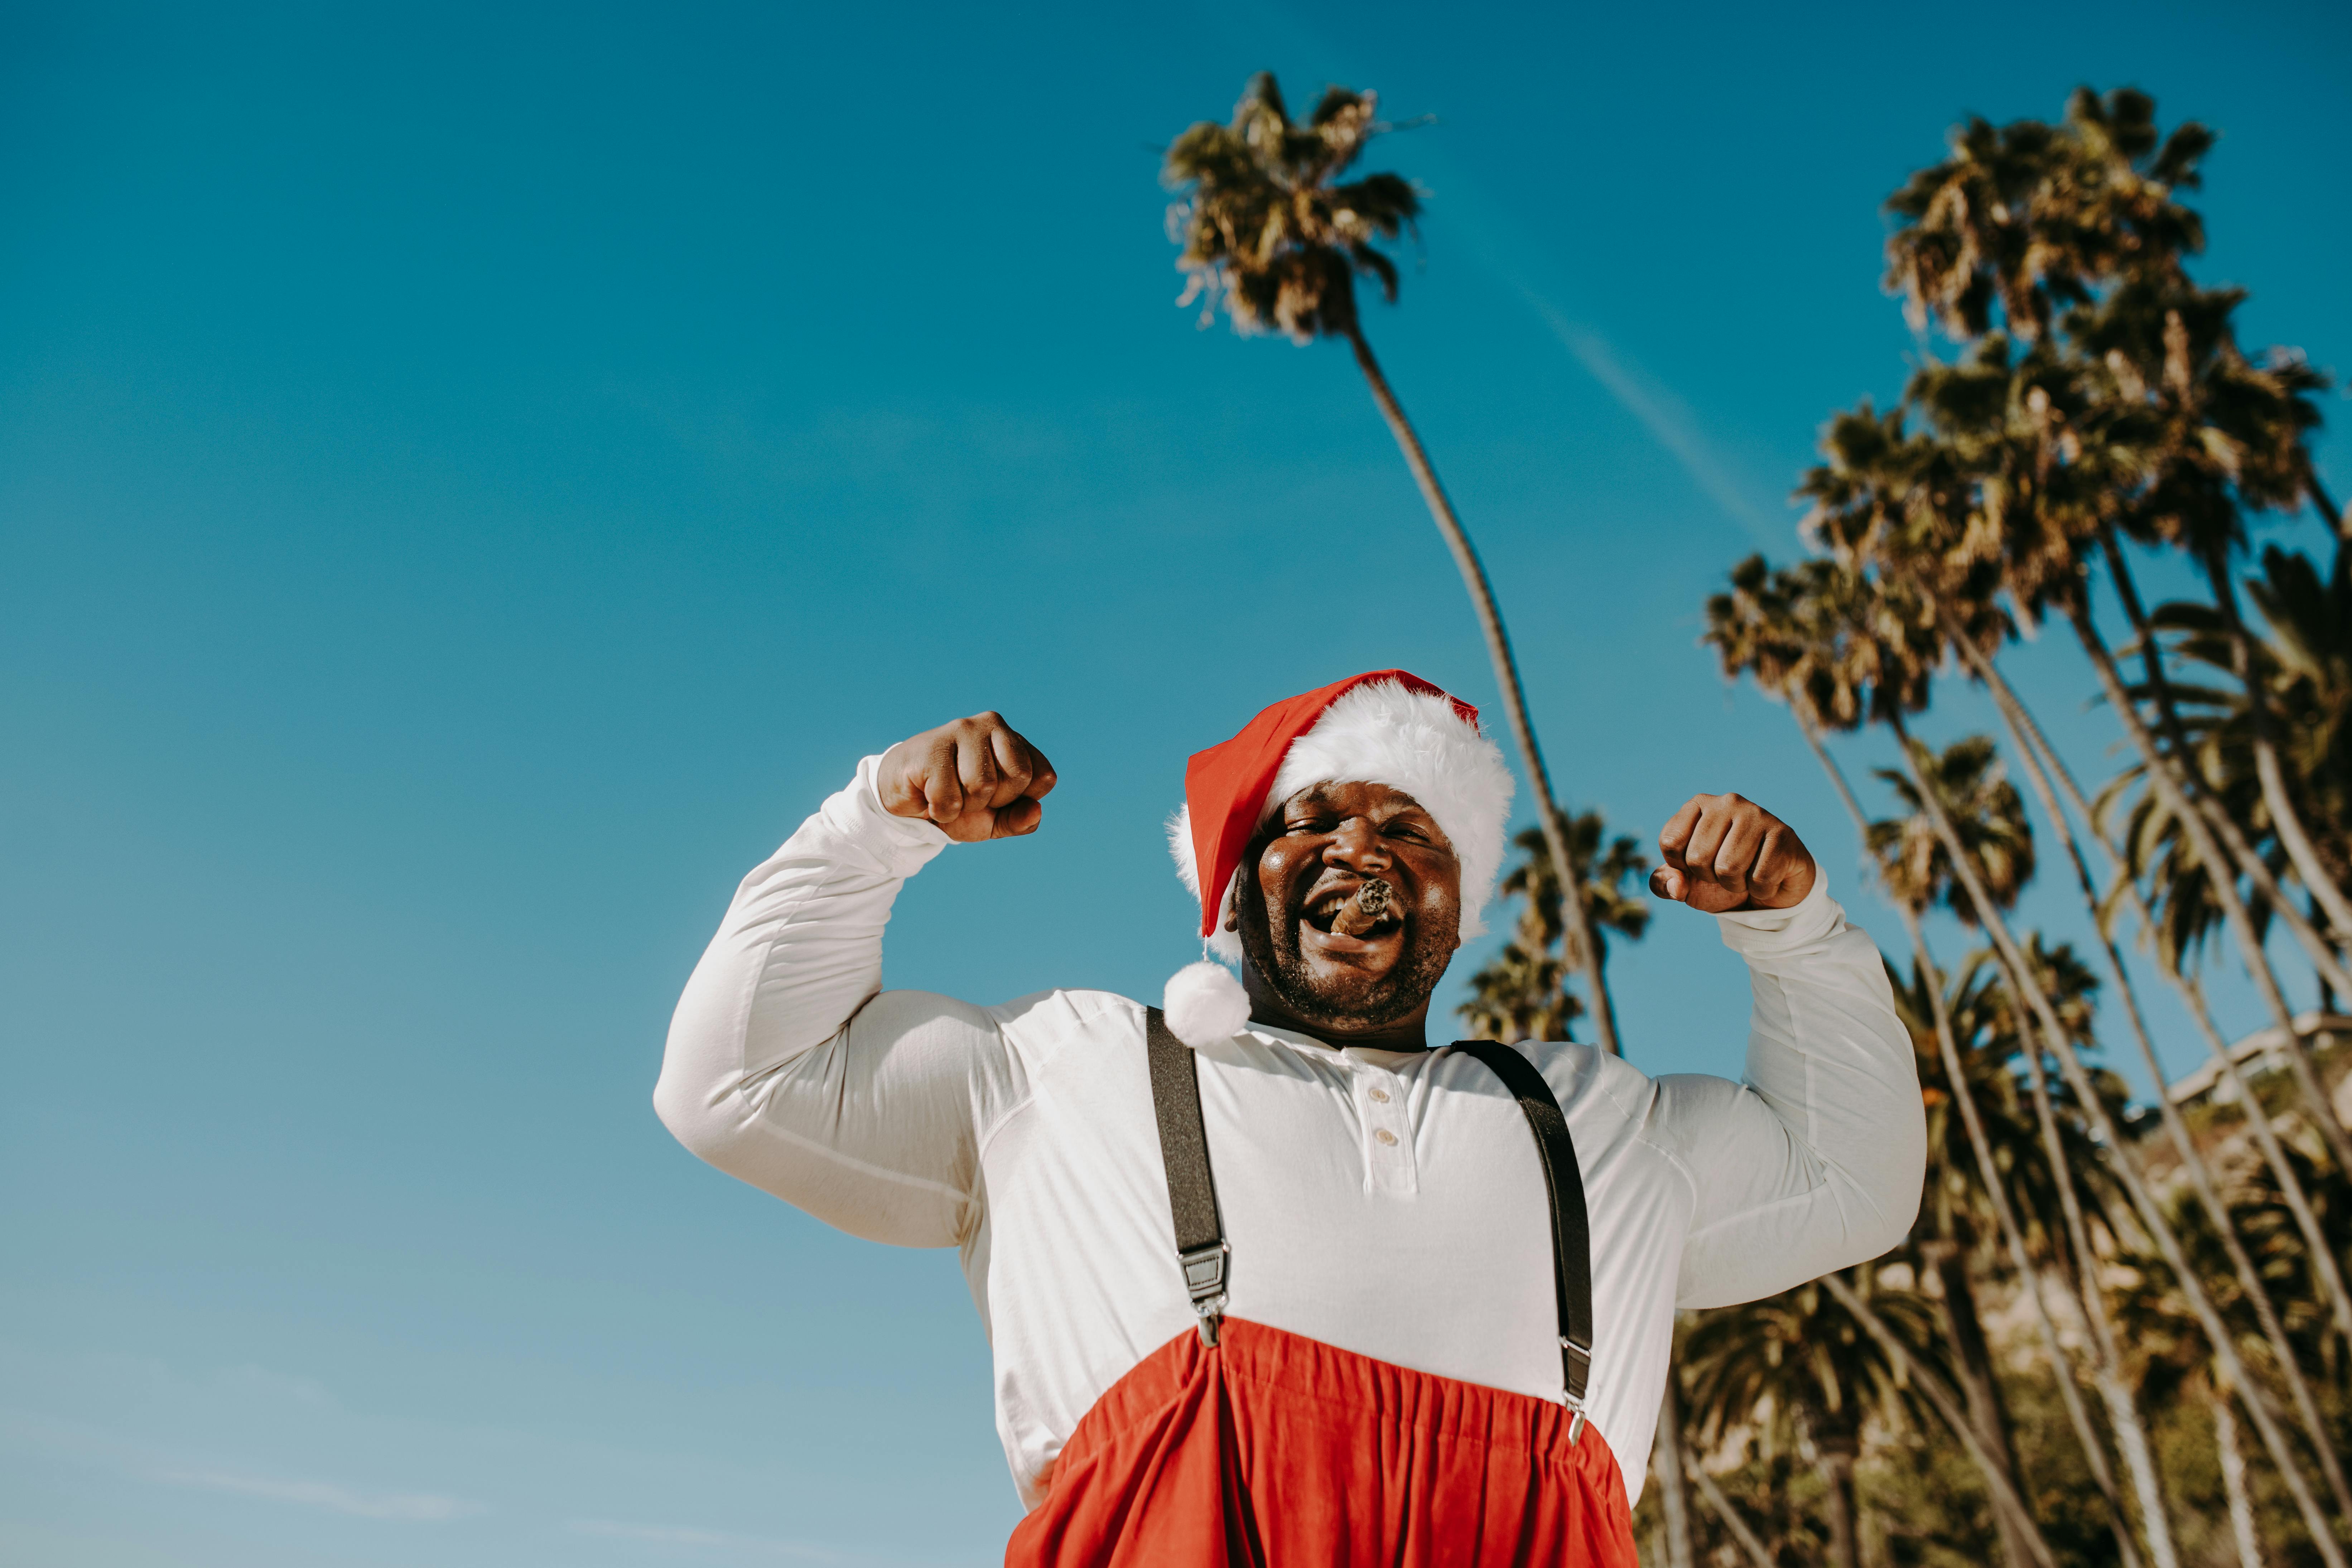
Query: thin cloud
[[1667, 417], [424, 1507]]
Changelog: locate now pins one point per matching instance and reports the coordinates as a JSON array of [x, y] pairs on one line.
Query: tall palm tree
[[1272, 236], [2154, 845], [1966, 842], [2146, 391], [1870, 628], [1949, 1236], [1788, 630], [2137, 412], [2215, 434], [2028, 986], [1989, 816], [2319, 1253], [1802, 1365]]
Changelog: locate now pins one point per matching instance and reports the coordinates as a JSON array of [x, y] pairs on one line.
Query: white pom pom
[[1205, 1004]]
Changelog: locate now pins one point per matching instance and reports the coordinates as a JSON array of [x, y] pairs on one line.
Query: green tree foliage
[[1522, 993]]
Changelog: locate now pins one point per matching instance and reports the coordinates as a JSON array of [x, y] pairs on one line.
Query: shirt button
[[1383, 1134], [1381, 1095]]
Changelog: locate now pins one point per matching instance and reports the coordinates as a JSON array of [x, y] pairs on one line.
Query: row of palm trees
[[2098, 408]]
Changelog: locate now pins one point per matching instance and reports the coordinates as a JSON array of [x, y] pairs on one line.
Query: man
[[1311, 1291]]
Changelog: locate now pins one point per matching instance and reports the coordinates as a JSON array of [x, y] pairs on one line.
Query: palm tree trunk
[[2201, 1176], [2005, 1497], [2191, 787], [2233, 1480], [2284, 818], [2225, 888], [1727, 1511], [1979, 1384], [1666, 1462], [2032, 745], [2029, 1275], [2151, 1215], [2106, 1359], [1574, 911], [1836, 1464]]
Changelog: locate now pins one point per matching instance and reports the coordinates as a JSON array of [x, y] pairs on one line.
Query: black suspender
[[1571, 1234], [1200, 1249], [1192, 1190]]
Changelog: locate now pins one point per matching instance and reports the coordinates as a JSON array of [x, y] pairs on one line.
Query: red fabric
[[1225, 785], [1274, 1448]]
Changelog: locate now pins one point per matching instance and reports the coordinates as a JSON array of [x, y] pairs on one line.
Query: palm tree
[[1522, 993], [2187, 910], [1878, 477], [2031, 216], [2318, 1249], [2304, 672], [1950, 1232], [2028, 986], [1801, 1365], [1877, 641], [2164, 1329], [1911, 859], [1271, 237], [1989, 816], [2216, 433], [1981, 820], [1790, 631], [2134, 411], [1966, 843], [1895, 495]]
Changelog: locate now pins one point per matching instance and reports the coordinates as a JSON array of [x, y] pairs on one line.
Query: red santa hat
[[1388, 726]]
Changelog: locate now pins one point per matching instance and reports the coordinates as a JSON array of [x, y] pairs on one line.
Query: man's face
[[1324, 842]]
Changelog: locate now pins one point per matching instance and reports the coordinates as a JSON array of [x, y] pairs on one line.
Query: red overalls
[[1248, 1445]]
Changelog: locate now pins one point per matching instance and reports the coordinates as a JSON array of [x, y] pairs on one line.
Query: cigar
[[1362, 912]]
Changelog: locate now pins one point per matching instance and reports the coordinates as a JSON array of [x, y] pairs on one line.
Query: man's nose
[[1357, 845]]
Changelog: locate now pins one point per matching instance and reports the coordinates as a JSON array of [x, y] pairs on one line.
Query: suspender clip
[[1576, 1367], [1204, 1281]]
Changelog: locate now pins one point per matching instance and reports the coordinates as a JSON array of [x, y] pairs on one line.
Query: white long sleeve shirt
[[1387, 1202]]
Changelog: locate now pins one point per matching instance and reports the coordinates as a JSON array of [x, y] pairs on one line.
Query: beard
[[1342, 995]]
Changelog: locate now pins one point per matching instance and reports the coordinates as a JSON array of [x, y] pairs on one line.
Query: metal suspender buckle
[[1576, 1367], [1204, 1280]]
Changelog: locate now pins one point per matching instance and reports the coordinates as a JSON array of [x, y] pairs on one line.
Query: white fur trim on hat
[[1379, 732]]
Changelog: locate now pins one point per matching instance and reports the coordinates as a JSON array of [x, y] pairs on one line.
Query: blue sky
[[471, 478]]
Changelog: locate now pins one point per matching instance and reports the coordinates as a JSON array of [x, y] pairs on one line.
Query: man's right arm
[[788, 1066]]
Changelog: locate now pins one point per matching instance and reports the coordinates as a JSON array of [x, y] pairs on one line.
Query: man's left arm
[[1815, 1161]]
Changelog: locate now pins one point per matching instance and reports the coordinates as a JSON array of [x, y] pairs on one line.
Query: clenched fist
[[1723, 852], [975, 777]]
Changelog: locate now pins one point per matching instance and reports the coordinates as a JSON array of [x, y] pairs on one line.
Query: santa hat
[[1385, 727]]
